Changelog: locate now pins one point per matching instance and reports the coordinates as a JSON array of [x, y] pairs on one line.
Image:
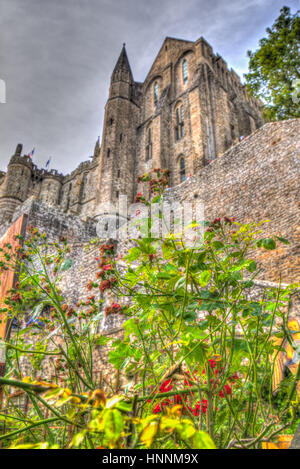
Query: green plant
[[274, 68], [196, 357]]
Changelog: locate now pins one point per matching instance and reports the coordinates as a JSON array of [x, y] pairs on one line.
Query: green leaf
[[267, 243], [67, 265], [133, 254], [101, 340], [204, 278], [251, 267], [123, 406], [113, 424], [217, 245], [202, 440], [282, 240]]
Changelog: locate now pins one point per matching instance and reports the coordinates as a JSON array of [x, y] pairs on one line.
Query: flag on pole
[[31, 153], [48, 162]]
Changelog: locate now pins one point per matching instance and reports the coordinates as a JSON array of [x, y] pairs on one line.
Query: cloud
[[57, 57]]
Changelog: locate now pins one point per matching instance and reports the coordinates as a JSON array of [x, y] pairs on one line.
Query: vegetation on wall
[[196, 359]]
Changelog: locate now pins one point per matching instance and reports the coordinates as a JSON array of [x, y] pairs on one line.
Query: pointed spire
[[122, 70], [97, 148]]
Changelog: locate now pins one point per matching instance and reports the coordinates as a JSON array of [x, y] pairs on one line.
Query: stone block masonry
[[257, 179]]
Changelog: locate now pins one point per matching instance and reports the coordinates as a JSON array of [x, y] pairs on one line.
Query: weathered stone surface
[[197, 98], [255, 180]]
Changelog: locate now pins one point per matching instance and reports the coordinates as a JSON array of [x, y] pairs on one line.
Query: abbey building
[[189, 110]]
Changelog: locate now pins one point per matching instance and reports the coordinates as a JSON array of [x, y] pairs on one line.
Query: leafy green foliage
[[274, 68], [194, 365]]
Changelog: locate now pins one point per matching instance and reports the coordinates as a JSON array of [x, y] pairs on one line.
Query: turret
[[119, 139], [14, 189], [51, 187]]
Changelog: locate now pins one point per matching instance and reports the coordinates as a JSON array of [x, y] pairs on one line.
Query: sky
[[57, 56]]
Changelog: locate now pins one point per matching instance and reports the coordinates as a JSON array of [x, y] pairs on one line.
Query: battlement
[[22, 160], [84, 166]]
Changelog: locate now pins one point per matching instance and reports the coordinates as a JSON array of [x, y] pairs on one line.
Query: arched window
[[179, 122], [149, 145], [185, 71], [155, 92], [182, 169]]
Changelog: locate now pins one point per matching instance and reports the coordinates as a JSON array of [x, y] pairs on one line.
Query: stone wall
[[255, 180]]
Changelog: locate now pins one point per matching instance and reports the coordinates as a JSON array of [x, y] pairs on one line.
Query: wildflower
[[89, 285], [157, 409], [166, 386], [116, 307], [212, 363], [200, 407], [105, 285], [17, 298]]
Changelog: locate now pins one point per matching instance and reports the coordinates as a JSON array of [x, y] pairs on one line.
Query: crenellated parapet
[[15, 185], [84, 166]]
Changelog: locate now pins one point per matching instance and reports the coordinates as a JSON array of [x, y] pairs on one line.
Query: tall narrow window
[[179, 122], [177, 126], [108, 153], [185, 72], [182, 169], [155, 92], [149, 146], [119, 173], [182, 121]]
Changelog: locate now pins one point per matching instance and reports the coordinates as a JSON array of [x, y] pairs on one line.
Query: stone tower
[[51, 187], [116, 172], [14, 189]]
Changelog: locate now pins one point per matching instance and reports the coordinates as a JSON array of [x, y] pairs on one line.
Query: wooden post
[[8, 281]]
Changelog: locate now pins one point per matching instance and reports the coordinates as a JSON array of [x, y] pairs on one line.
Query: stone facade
[[187, 112], [254, 180], [257, 179]]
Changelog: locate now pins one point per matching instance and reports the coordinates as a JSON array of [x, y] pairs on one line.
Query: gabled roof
[[169, 42]]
